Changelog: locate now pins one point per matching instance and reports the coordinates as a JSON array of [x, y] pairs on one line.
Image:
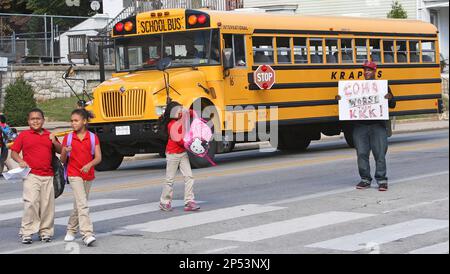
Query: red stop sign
[[264, 77]]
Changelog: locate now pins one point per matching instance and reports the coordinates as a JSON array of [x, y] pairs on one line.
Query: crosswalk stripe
[[200, 218], [282, 228], [64, 207], [10, 202], [110, 214], [441, 248], [382, 235]]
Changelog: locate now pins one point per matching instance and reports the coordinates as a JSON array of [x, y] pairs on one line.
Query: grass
[[58, 109]]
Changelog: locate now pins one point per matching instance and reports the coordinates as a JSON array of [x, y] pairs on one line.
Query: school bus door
[[236, 83]]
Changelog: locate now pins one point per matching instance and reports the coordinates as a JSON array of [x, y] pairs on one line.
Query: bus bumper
[[129, 138]]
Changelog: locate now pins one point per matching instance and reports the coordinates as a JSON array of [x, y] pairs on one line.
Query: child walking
[[37, 146], [81, 153], [177, 158]]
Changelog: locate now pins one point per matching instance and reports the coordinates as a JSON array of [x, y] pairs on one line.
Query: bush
[[19, 101]]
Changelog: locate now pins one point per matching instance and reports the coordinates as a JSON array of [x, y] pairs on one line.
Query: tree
[[397, 11], [19, 100]]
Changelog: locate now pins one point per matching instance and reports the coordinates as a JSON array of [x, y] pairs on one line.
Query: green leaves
[[397, 11], [19, 99]]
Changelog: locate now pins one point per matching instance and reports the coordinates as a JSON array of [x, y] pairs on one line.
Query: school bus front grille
[[131, 103]]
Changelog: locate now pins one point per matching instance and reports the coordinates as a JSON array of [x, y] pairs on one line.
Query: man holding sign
[[365, 104]]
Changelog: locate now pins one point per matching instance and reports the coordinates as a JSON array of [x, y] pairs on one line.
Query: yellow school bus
[[213, 56]]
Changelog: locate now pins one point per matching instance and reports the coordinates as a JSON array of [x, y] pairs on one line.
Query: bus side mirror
[[228, 60], [92, 53]]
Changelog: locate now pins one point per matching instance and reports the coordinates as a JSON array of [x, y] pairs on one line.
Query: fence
[[32, 38]]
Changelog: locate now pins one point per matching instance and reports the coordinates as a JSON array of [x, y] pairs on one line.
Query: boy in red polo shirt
[[37, 145], [84, 149]]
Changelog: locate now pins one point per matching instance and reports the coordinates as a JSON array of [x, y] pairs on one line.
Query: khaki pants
[[39, 206], [80, 214], [175, 161]]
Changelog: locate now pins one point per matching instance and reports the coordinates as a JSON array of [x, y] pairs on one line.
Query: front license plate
[[123, 130]]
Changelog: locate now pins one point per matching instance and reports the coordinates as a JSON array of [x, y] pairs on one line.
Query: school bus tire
[[111, 160], [225, 146], [289, 141]]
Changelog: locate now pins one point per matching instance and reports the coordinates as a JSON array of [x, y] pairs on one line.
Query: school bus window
[[300, 50], [361, 50], [428, 52], [135, 57], [214, 57], [414, 51], [316, 50], [401, 51], [237, 43], [120, 59], [284, 50], [375, 50], [388, 51], [332, 51], [263, 50], [347, 50], [186, 49], [239, 50]]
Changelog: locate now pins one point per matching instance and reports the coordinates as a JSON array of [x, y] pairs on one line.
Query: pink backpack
[[196, 139]]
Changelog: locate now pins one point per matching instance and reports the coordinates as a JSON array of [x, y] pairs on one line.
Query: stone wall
[[47, 81]]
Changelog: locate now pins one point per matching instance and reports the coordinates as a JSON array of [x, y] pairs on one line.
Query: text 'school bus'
[[210, 58]]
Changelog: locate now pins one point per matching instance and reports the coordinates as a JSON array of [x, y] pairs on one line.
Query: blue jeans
[[371, 137]]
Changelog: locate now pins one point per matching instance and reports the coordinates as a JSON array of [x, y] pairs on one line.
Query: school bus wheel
[[111, 159], [292, 139]]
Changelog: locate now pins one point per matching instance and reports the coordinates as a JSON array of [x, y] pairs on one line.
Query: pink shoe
[[191, 206], [165, 207]]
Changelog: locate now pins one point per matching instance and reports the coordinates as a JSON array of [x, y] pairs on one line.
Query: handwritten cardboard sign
[[363, 100]]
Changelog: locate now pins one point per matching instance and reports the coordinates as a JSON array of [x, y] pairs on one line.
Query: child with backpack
[[177, 158], [37, 146], [80, 154]]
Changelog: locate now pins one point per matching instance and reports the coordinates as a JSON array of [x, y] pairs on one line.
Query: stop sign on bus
[[264, 77]]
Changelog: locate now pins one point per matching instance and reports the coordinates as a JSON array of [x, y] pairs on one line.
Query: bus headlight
[[160, 110]]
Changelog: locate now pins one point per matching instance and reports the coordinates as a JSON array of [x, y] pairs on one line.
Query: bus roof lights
[[166, 13], [119, 27], [192, 20], [202, 19], [129, 26], [160, 14]]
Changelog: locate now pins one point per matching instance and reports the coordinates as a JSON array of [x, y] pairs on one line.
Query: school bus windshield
[[186, 49]]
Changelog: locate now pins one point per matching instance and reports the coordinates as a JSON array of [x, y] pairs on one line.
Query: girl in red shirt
[[77, 154], [177, 158]]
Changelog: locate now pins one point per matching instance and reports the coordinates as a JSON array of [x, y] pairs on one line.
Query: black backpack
[[58, 180]]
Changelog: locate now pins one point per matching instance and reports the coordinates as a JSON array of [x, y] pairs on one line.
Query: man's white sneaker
[[89, 240], [69, 238]]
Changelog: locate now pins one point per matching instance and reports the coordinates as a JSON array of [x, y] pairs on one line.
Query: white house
[[434, 11], [89, 27]]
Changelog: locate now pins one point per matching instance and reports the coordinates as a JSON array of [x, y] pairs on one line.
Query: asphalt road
[[264, 202]]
